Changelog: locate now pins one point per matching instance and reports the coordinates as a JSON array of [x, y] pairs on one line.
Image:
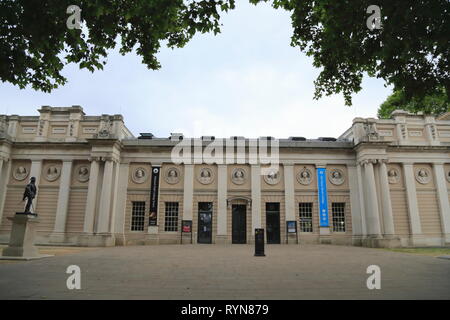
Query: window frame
[[336, 219], [134, 216], [302, 218], [167, 206]]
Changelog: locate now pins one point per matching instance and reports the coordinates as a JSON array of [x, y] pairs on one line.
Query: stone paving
[[228, 272]]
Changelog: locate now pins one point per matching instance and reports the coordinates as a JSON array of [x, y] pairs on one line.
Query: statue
[[30, 194]]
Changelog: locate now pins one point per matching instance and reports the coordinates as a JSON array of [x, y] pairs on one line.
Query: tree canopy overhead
[[411, 51], [35, 42], [433, 104]]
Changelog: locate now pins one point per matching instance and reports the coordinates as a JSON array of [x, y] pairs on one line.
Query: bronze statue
[[30, 194]]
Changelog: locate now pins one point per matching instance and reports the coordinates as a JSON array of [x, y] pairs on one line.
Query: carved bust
[[139, 175], [83, 174], [172, 175], [423, 176], [336, 177], [238, 176], [448, 176], [205, 176], [273, 177], [304, 176], [20, 173], [52, 173], [393, 176]]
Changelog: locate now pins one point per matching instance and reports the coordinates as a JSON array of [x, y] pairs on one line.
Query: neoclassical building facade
[[382, 183]]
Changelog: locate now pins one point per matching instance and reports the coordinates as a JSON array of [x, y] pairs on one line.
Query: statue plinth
[[21, 242]]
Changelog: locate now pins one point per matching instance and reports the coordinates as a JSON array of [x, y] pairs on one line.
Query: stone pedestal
[[292, 238], [324, 235], [21, 242]]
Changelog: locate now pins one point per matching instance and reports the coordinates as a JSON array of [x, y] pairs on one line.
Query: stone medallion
[[273, 177], [304, 176], [205, 176], [238, 176], [82, 173], [20, 173], [393, 176], [423, 175], [52, 173], [172, 175], [139, 175], [336, 177]]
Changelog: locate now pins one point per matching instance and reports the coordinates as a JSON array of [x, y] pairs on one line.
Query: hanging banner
[[323, 197], [154, 190]]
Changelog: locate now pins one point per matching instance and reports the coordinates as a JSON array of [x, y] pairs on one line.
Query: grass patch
[[434, 252]]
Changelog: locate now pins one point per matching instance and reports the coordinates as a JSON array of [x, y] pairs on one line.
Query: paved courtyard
[[228, 272]]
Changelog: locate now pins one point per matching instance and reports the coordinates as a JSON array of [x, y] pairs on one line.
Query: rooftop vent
[[297, 138], [146, 135], [327, 139], [176, 136]]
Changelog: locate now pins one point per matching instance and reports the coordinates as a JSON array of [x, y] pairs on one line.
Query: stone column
[[289, 197], [256, 197], [119, 225], [444, 206], [13, 125], [388, 218], [91, 200], [1, 165], [373, 219], [355, 197], [188, 195], [63, 198], [222, 202], [115, 195], [4, 177], [362, 197], [411, 196], [43, 124], [104, 210], [35, 171]]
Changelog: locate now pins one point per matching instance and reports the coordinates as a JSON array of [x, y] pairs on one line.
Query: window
[[338, 210], [305, 209], [171, 220], [138, 216]]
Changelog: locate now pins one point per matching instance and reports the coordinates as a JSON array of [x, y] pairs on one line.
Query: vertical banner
[[323, 197], [154, 190]]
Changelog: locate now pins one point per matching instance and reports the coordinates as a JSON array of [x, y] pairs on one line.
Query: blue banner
[[323, 197]]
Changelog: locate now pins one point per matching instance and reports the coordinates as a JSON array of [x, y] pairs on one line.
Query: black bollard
[[259, 243]]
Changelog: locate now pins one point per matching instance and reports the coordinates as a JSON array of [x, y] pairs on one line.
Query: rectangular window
[[171, 218], [305, 209], [138, 216], [338, 211]]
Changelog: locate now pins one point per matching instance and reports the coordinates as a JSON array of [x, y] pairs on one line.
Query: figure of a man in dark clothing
[[30, 194]]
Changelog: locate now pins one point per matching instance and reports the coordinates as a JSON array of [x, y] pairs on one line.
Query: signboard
[[291, 226], [323, 197], [154, 190], [186, 226]]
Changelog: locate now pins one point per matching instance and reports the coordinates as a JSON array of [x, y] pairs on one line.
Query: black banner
[[154, 190]]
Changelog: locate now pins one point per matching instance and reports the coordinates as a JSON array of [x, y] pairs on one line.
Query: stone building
[[381, 183]]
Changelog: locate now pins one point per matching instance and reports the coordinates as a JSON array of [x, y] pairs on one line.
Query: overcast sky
[[246, 81]]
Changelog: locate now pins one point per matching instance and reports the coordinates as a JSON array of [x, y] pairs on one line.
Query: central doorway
[[239, 223], [273, 222], [204, 222]]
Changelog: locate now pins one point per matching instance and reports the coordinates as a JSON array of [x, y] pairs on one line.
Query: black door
[[204, 234], [273, 222], [239, 223]]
